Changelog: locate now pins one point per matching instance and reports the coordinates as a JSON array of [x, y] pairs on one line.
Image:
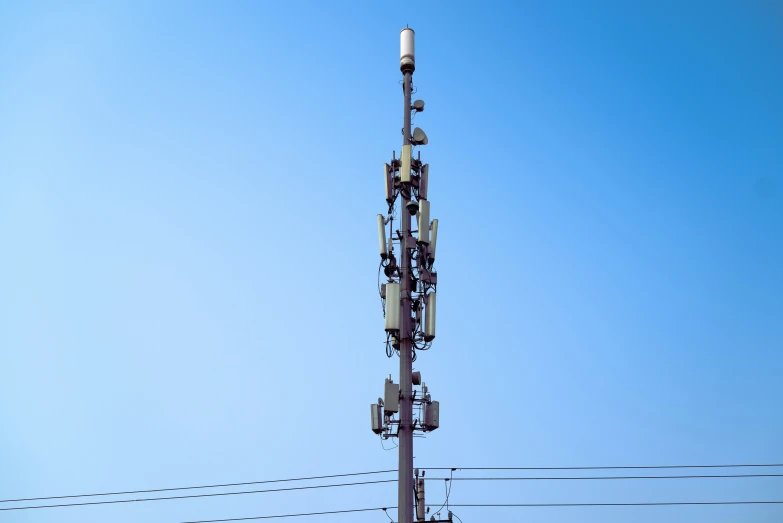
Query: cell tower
[[408, 295]]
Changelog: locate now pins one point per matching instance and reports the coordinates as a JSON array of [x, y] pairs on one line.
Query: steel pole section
[[405, 479]]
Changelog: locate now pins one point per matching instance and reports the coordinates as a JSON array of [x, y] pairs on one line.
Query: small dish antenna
[[419, 138]]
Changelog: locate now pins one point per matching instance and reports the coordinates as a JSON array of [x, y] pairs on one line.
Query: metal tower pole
[[405, 479], [402, 296]]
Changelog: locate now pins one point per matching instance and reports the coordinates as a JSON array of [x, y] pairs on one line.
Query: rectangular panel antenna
[[405, 164], [433, 241], [425, 179], [382, 237], [376, 418], [388, 182], [423, 221], [429, 318], [392, 307]]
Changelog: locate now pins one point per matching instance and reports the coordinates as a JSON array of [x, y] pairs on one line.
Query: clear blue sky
[[187, 281]]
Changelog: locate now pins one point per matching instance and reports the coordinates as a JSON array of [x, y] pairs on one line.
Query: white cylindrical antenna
[[407, 56], [429, 316], [405, 164], [382, 237], [433, 240], [424, 182], [392, 307], [387, 183], [423, 221], [390, 245]]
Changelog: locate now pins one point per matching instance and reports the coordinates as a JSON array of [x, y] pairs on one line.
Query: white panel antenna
[[392, 307], [429, 317], [382, 237], [405, 164], [433, 240], [387, 181], [376, 418], [423, 221], [425, 178]]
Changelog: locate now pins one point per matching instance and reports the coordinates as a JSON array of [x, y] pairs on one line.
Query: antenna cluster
[[408, 177], [382, 413], [408, 295], [407, 253]]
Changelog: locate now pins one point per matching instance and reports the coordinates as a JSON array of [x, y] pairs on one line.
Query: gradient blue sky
[[188, 269]]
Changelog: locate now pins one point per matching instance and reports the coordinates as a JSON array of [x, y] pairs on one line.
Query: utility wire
[[508, 505], [651, 504], [220, 485], [288, 515], [199, 495], [448, 490], [388, 516], [611, 477], [610, 468], [198, 486]]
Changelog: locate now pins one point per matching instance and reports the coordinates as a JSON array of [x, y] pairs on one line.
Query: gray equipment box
[[431, 415], [391, 397]]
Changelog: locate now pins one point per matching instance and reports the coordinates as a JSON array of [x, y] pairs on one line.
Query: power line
[[198, 486], [288, 515], [331, 476], [651, 504], [507, 505], [611, 477], [611, 467], [199, 495], [448, 490]]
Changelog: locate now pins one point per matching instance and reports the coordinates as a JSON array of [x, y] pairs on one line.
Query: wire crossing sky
[[477, 505], [352, 484], [188, 193], [219, 485]]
